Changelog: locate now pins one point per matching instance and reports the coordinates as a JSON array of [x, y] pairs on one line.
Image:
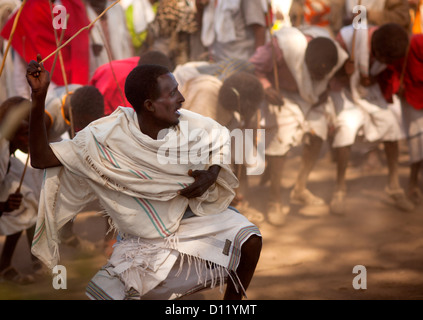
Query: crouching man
[[176, 229]]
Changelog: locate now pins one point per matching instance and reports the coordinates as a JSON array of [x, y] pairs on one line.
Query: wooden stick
[[57, 54], [80, 30], [352, 56], [62, 65], [12, 33], [58, 43], [18, 190]]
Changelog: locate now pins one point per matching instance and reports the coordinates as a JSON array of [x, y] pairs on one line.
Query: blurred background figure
[[173, 29], [18, 201], [7, 90], [380, 12], [416, 9], [233, 28], [280, 10], [139, 14], [109, 37], [28, 41]]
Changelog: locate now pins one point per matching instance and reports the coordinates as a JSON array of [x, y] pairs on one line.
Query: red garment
[[105, 82], [316, 12], [413, 77], [413, 80], [35, 34]]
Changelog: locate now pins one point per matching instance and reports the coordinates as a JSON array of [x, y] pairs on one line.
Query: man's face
[[383, 58], [169, 102], [318, 72]]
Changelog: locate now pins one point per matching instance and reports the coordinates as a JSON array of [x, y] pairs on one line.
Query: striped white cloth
[[112, 160]]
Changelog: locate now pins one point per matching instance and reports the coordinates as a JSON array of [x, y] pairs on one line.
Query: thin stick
[[58, 43], [62, 67], [18, 190], [80, 30], [12, 33], [352, 56], [57, 54], [62, 64]]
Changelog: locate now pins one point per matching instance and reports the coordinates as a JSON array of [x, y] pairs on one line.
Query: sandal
[[12, 275], [416, 196], [305, 198], [276, 213], [337, 205], [401, 201]]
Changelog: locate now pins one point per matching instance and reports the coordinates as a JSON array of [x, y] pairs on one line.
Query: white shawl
[[361, 63], [293, 43], [113, 160], [369, 99]]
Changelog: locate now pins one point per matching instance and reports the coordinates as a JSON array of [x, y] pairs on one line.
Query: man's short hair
[[141, 84], [87, 104], [8, 104], [21, 108], [390, 41], [321, 56], [156, 57], [241, 92]]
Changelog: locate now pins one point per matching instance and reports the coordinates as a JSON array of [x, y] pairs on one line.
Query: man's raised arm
[[41, 154]]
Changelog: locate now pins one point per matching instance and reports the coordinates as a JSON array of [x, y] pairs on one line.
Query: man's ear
[[148, 105]]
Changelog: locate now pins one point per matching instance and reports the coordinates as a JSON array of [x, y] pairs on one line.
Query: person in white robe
[[166, 191]]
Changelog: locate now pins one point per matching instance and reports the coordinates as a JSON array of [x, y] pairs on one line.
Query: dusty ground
[[311, 257]]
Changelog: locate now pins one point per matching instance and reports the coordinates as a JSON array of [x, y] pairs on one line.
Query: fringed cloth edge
[[142, 266]]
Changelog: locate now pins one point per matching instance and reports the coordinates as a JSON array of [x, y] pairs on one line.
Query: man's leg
[[275, 212], [8, 250], [394, 189], [414, 191], [250, 254], [6, 270], [337, 205], [311, 153]]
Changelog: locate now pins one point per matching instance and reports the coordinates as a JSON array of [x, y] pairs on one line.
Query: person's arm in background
[[255, 18], [12, 203], [263, 61]]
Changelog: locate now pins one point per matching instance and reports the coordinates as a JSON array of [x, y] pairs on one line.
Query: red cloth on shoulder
[[413, 79], [35, 34], [413, 76], [105, 82]]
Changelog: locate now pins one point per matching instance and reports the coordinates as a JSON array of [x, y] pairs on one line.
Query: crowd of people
[[91, 117]]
